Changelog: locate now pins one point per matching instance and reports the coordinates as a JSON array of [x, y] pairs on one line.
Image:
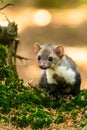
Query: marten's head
[[48, 55]]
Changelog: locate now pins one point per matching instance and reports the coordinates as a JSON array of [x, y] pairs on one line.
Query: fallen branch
[[9, 4], [21, 58]]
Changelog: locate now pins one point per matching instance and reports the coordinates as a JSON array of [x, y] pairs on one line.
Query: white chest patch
[[61, 71]]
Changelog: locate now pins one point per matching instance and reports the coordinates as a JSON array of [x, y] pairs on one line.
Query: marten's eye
[[50, 58], [39, 57]]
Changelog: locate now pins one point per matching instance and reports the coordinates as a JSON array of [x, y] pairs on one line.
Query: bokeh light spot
[[3, 23], [42, 17]]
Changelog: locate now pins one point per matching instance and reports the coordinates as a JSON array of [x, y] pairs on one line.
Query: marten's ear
[[59, 50], [37, 47]]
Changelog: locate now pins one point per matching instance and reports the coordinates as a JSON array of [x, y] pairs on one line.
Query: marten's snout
[[43, 66], [43, 61]]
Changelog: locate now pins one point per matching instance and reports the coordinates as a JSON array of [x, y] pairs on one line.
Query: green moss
[[74, 114], [83, 122], [59, 119], [81, 99], [3, 56], [21, 121], [40, 119]]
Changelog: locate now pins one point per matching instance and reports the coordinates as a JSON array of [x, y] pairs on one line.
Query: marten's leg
[[76, 87], [43, 81], [51, 89]]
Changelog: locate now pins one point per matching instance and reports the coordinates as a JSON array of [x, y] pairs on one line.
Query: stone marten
[[60, 75]]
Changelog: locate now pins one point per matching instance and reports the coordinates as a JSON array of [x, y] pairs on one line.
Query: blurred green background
[[48, 3]]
